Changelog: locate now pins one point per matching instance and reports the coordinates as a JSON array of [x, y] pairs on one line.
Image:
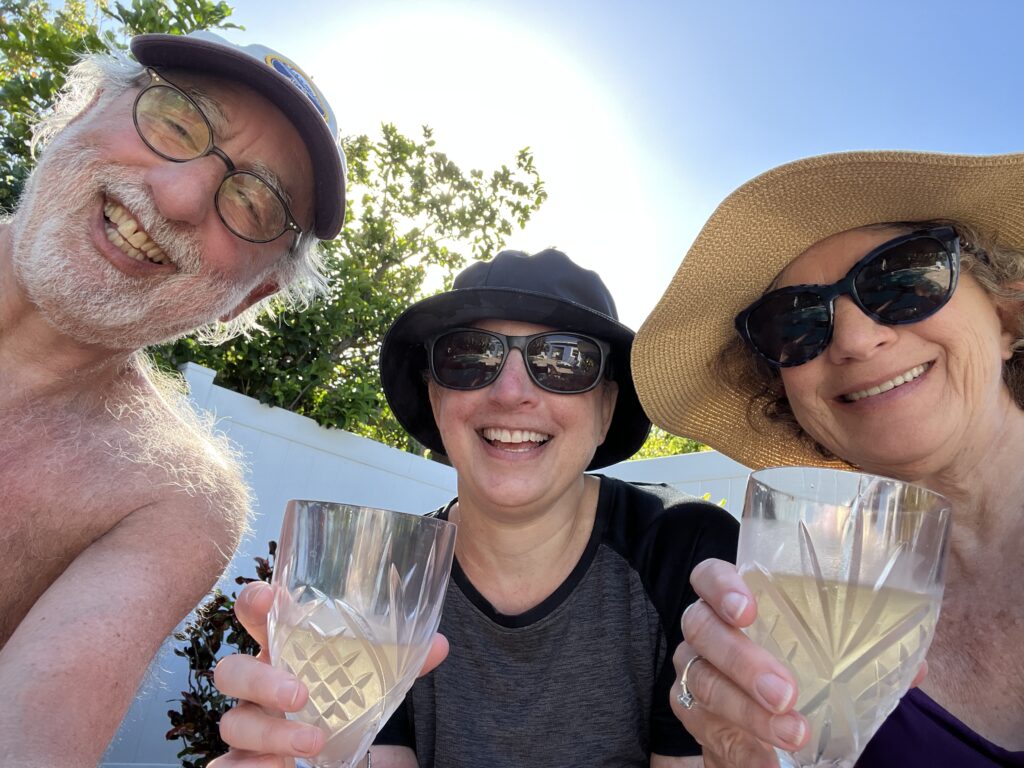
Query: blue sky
[[644, 115]]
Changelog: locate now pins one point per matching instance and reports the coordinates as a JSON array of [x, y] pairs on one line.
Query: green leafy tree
[[39, 43], [661, 443], [414, 215], [415, 218]]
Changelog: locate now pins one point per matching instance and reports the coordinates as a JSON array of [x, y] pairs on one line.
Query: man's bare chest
[[61, 491]]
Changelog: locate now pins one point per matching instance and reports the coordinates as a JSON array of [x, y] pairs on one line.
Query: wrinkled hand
[[255, 729], [744, 696]]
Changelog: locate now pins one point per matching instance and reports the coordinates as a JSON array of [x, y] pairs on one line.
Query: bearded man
[[178, 191]]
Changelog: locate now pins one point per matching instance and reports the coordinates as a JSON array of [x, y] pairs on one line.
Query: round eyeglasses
[[171, 124]]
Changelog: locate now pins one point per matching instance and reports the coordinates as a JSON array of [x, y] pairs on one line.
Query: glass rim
[[351, 507], [759, 476]]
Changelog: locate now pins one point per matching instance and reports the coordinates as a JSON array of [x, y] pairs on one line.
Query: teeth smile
[[903, 378], [513, 436], [129, 236]]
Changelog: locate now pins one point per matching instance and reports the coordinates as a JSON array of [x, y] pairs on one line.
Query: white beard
[[76, 289]]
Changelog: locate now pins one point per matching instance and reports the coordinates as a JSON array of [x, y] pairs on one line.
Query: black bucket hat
[[545, 289]]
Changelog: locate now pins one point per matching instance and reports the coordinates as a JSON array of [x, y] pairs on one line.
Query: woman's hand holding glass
[[256, 729], [744, 697]]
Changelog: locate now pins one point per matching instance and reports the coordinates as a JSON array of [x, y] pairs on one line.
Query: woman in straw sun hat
[[867, 310]]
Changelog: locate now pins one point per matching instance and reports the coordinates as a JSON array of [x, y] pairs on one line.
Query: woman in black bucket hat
[[545, 289], [567, 588]]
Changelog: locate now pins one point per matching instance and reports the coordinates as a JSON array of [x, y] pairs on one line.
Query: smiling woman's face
[[515, 444], [899, 400]]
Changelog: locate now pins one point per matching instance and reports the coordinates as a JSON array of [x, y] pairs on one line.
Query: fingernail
[[254, 589], [734, 604], [304, 741], [775, 691], [288, 694], [789, 730], [689, 608]]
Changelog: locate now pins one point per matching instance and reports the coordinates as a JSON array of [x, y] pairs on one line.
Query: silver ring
[[685, 698]]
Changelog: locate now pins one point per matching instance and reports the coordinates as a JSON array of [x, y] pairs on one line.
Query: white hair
[[299, 273]]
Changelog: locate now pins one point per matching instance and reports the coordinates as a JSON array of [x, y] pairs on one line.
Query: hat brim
[[754, 234], [403, 358], [209, 58]]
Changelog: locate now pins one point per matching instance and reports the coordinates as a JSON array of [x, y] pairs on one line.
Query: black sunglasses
[[171, 124], [557, 361], [902, 281]]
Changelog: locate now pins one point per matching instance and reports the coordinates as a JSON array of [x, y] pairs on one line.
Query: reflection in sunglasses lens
[[790, 326], [564, 362], [902, 283], [907, 282], [558, 362], [467, 360]]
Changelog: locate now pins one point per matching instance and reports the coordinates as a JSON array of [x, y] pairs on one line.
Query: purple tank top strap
[[921, 734]]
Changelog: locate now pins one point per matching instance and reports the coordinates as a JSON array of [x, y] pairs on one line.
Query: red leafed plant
[[212, 633]]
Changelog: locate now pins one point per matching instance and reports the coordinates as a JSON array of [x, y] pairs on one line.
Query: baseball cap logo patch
[[298, 77]]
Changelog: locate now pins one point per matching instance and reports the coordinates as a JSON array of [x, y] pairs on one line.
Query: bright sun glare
[[489, 86]]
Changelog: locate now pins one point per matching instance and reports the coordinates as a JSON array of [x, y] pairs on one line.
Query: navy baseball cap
[[284, 84]]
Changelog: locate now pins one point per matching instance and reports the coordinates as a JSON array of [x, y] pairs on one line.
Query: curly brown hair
[[999, 271]]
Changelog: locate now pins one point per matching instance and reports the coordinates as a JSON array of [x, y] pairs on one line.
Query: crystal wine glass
[[847, 570], [357, 598]]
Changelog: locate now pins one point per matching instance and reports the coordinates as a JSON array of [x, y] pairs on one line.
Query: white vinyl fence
[[289, 456]]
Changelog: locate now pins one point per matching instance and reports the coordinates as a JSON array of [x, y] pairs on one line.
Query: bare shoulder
[[134, 476], [192, 468], [134, 512]]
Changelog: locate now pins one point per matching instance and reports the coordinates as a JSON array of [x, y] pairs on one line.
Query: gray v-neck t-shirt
[[583, 678]]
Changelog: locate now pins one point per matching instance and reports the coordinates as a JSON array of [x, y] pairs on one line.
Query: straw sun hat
[[754, 234]]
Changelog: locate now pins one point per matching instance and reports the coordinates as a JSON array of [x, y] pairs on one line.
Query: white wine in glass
[[847, 570], [357, 598]]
